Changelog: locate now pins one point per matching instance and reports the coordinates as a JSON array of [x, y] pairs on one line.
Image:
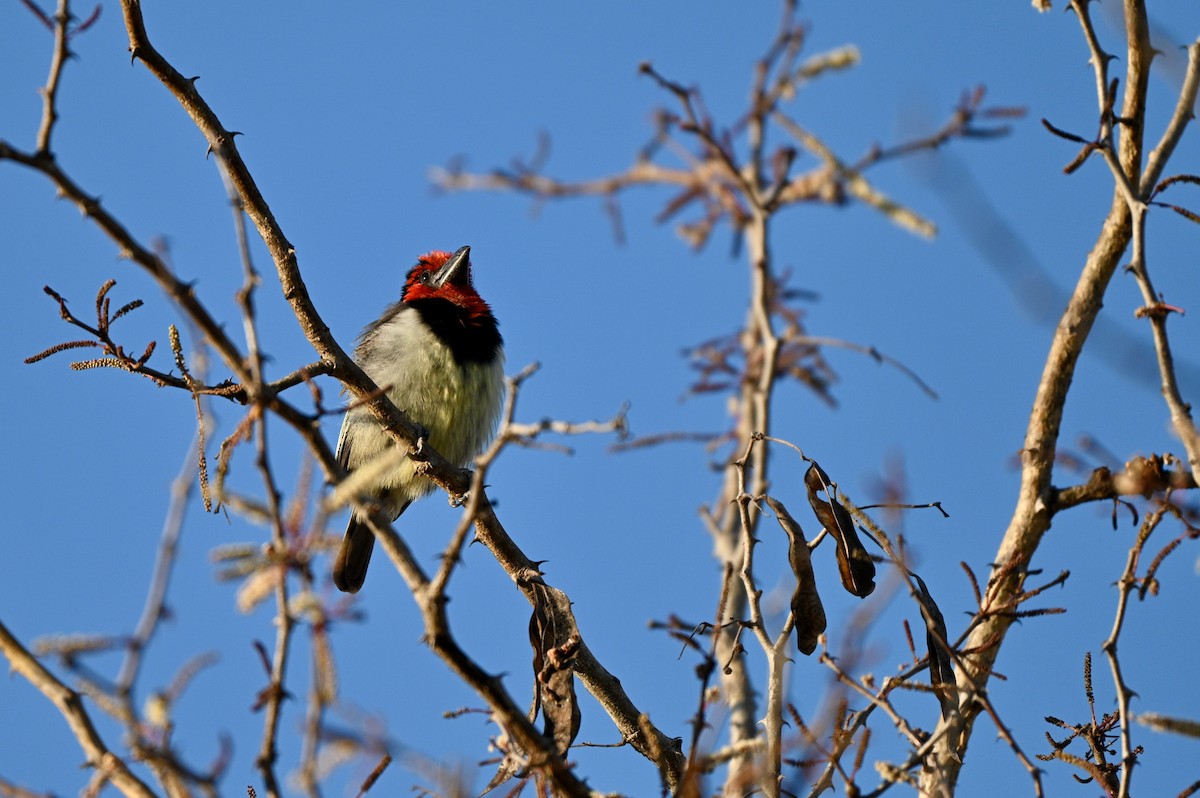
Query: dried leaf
[[854, 564], [1166, 723], [511, 765], [806, 601], [555, 643], [941, 666], [71, 646], [257, 588], [325, 676]]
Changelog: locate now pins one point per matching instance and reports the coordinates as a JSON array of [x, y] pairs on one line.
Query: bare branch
[[68, 702]]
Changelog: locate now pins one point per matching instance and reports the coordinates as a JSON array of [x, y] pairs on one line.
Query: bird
[[439, 356]]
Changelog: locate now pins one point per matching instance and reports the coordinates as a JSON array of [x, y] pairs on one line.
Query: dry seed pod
[[854, 564], [807, 610]]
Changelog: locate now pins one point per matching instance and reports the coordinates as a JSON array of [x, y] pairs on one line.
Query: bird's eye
[[426, 278]]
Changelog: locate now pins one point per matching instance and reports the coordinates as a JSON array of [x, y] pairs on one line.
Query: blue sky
[[343, 115]]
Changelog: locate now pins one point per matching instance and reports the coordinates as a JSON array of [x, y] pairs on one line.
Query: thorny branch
[[718, 185], [149, 729], [110, 766], [266, 398], [1120, 142], [487, 526]]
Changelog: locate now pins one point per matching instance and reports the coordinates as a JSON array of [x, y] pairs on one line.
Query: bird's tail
[[350, 567]]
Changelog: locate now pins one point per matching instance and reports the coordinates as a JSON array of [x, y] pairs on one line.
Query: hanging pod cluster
[[857, 572]]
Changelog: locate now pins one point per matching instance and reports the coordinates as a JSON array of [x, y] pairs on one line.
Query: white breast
[[458, 405]]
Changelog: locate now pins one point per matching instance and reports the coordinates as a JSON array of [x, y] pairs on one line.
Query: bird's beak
[[457, 270]]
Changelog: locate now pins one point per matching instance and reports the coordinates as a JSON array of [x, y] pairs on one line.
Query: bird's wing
[[343, 445]]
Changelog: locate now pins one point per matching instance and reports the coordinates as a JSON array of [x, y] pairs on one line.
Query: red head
[[442, 275]]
